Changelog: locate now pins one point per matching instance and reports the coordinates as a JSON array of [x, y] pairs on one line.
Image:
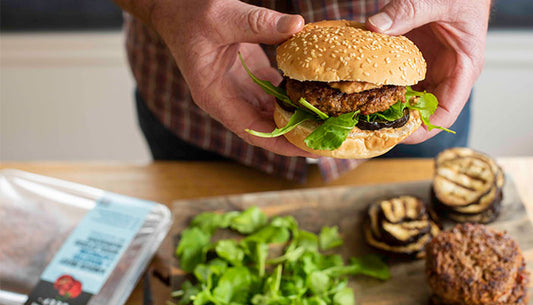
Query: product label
[[82, 265]]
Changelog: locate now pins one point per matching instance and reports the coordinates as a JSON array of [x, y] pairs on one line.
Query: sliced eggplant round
[[462, 181], [467, 185], [484, 217], [415, 249], [482, 204], [400, 225]]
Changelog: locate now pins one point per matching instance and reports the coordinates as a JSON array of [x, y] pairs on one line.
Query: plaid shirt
[[166, 94]]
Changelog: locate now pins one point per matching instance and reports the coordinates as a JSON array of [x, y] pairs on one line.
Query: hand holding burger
[[451, 35], [346, 91]]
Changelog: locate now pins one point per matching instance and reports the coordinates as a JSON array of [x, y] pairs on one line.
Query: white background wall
[[69, 96]]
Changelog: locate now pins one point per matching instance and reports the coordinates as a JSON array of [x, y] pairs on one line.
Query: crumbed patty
[[472, 264], [335, 102]]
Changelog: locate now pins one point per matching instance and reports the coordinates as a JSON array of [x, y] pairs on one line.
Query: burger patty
[[519, 294], [335, 102], [472, 264]]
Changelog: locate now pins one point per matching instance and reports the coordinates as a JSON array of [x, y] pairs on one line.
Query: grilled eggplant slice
[[463, 181], [415, 249], [483, 203], [467, 186], [399, 226]]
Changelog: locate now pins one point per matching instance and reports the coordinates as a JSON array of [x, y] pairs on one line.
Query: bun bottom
[[360, 144]]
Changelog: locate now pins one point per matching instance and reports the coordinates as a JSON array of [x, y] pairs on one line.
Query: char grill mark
[[401, 226], [467, 186]]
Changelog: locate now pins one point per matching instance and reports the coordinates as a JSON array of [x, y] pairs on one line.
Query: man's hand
[[451, 36], [204, 38]]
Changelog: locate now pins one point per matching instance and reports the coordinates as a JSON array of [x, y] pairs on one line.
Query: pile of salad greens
[[244, 271], [333, 131]]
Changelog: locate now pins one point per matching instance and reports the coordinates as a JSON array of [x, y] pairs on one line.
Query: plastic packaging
[[38, 213]]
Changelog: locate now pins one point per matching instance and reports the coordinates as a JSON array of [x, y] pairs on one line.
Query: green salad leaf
[[192, 248], [370, 265], [329, 238], [209, 222], [307, 105], [230, 251], [249, 221], [332, 133], [244, 270], [394, 113], [233, 286], [267, 86], [296, 119], [426, 105]]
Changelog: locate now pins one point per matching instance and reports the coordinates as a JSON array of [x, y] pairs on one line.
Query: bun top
[[341, 50]]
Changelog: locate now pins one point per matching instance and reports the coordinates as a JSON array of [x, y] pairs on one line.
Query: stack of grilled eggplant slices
[[401, 226], [467, 186]]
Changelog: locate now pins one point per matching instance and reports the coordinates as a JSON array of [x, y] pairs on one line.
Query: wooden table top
[[165, 182]]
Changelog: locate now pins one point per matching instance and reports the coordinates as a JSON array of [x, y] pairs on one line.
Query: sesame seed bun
[[341, 50], [360, 144]]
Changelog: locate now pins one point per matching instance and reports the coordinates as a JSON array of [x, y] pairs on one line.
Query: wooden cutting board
[[344, 207]]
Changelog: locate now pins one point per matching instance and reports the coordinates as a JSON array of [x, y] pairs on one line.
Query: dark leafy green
[[307, 105], [394, 113], [296, 119], [329, 238], [370, 265], [426, 105], [249, 270], [267, 86], [230, 251], [249, 221], [192, 248], [332, 133], [209, 222]]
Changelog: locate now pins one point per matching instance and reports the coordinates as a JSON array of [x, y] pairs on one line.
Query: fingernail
[[382, 21], [288, 23]]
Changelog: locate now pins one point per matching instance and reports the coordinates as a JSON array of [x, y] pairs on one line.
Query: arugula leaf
[[228, 250], [267, 86], [370, 265], [307, 105], [315, 300], [318, 282], [285, 222], [192, 248], [426, 105], [344, 297], [332, 133], [394, 113], [306, 240], [187, 291], [249, 221], [237, 273], [204, 297], [297, 118], [233, 285], [329, 238], [209, 222], [270, 234]]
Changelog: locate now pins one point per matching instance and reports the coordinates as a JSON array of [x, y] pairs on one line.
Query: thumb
[[401, 16], [249, 23]]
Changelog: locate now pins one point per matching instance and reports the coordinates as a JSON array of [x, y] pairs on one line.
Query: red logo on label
[[67, 286]]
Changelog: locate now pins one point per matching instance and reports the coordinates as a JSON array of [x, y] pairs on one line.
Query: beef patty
[[335, 102], [472, 264]]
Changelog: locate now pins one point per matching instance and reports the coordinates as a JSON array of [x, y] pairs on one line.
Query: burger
[[346, 90]]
